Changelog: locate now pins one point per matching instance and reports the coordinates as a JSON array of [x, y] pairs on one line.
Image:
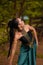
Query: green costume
[[27, 55]]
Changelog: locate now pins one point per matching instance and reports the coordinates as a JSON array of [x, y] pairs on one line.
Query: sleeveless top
[[24, 40]]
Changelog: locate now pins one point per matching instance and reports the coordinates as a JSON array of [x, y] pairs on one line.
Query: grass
[[6, 52], [40, 56]]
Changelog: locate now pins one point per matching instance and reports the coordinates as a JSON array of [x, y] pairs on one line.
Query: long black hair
[[13, 25]]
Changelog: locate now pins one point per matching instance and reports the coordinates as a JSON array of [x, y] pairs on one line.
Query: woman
[[27, 54]]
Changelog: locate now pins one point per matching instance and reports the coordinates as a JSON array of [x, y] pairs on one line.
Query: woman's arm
[[13, 49], [14, 45], [34, 32]]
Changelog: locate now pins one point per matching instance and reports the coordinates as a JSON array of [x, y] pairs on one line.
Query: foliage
[[11, 8]]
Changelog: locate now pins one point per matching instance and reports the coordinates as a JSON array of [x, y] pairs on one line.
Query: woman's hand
[[9, 61]]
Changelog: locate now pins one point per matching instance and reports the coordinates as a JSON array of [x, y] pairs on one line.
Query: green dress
[[27, 55]]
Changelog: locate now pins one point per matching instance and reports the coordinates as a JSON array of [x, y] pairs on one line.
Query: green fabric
[[27, 55]]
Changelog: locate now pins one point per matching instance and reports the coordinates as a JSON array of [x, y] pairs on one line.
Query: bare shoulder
[[30, 27], [17, 35], [27, 25]]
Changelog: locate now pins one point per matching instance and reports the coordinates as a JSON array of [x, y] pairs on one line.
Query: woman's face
[[20, 23]]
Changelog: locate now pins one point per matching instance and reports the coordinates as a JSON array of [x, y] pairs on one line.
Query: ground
[[4, 60]]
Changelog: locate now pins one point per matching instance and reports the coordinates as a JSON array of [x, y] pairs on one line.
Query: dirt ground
[[39, 60]]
